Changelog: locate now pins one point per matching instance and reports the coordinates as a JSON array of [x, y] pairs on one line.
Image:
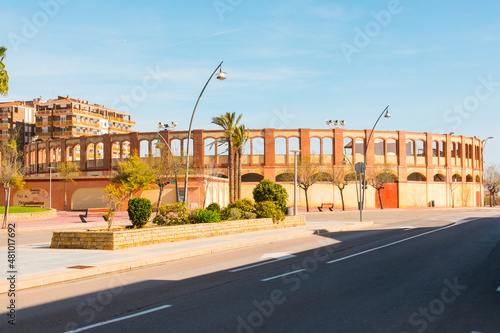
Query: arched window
[[348, 146], [435, 149], [144, 148], [441, 148], [175, 145], [90, 151], [420, 148], [293, 144], [126, 149], [315, 146], [439, 177], [409, 148], [257, 146], [391, 147], [360, 146], [469, 179], [209, 147], [156, 148], [456, 178], [185, 147], [379, 146], [280, 146], [99, 151], [115, 149], [416, 177], [251, 178], [77, 152], [327, 146]]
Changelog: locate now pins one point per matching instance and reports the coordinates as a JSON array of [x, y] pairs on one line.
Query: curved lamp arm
[[222, 77]]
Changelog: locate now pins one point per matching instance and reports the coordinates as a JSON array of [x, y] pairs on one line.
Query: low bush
[[268, 190], [249, 215], [204, 216], [244, 205], [173, 214], [139, 211], [214, 207], [229, 214], [268, 209]]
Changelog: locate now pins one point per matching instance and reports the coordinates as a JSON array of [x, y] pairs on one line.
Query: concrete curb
[[64, 275]]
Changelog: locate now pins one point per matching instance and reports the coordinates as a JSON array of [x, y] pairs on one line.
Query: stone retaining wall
[[115, 240], [31, 216]]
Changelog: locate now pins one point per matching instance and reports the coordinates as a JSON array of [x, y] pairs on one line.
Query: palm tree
[[228, 122], [4, 78], [240, 138]]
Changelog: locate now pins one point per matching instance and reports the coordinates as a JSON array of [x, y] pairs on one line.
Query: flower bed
[[115, 240]]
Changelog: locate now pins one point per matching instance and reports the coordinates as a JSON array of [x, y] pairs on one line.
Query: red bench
[[93, 211], [326, 205]]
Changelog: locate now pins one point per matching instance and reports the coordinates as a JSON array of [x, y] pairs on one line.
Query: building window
[[379, 147], [409, 148], [360, 146]]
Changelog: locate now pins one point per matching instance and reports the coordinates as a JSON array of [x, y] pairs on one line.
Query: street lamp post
[[363, 176], [295, 152], [482, 168], [50, 186], [169, 126], [221, 76]]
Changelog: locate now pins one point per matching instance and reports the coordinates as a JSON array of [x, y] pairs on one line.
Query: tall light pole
[[363, 178], [169, 126], [221, 76], [50, 186], [295, 152], [482, 168]]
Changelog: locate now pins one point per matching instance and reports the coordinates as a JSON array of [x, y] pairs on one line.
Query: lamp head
[[387, 114], [336, 122], [328, 122], [342, 123], [160, 125], [221, 76], [344, 161]]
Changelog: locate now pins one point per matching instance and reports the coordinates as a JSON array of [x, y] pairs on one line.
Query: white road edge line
[[119, 319], [390, 244], [262, 263], [278, 276]]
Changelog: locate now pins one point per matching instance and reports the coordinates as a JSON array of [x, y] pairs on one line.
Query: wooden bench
[[39, 204], [93, 211], [326, 205]]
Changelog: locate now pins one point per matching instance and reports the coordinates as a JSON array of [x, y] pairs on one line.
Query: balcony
[[4, 126], [5, 115], [43, 124]]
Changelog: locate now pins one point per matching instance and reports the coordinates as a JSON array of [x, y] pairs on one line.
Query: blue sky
[[289, 64]]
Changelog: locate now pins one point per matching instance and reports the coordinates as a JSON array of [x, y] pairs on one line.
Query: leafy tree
[[308, 173], [267, 190], [240, 138], [228, 122], [68, 170], [114, 198], [378, 177], [134, 175], [11, 172], [4, 77], [491, 180]]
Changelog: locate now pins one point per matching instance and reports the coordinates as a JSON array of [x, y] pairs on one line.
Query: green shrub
[[203, 216], [229, 214], [249, 215], [214, 207], [244, 205], [173, 214], [268, 190], [268, 209], [139, 211]]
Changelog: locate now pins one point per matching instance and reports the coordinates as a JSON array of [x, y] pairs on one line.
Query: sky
[[289, 64]]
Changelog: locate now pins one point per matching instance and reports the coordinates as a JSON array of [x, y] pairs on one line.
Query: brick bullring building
[[441, 168]]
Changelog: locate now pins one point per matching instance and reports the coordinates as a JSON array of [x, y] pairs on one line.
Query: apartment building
[[17, 119], [66, 117]]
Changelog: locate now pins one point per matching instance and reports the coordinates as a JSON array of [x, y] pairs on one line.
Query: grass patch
[[17, 210]]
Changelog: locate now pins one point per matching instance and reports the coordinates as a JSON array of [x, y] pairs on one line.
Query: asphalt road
[[423, 275]]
